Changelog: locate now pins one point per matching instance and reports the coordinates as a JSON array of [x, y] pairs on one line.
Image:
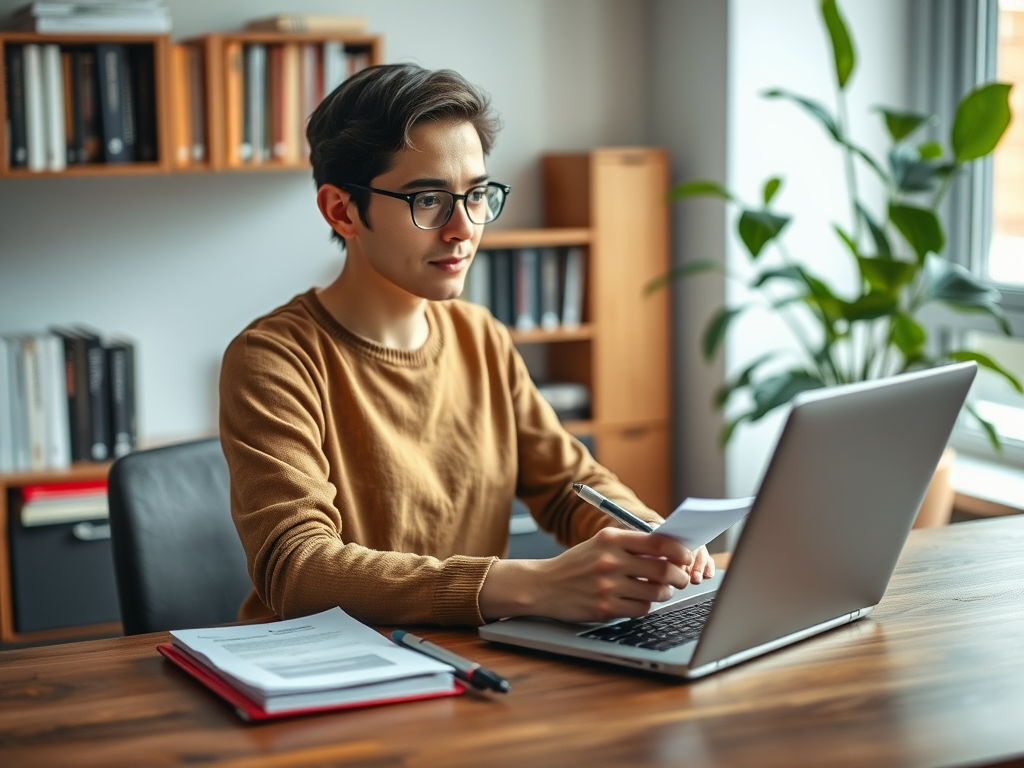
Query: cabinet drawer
[[641, 457]]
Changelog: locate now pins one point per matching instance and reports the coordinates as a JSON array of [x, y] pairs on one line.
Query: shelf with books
[[262, 86], [82, 104]]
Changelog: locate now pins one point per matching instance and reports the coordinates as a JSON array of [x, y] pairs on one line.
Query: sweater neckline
[[414, 358]]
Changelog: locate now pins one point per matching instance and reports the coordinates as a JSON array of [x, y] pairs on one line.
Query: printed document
[[695, 522]]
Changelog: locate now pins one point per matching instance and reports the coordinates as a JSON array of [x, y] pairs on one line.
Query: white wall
[[182, 263], [783, 43]]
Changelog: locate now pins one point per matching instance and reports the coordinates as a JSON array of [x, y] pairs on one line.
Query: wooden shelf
[[535, 238], [541, 336]]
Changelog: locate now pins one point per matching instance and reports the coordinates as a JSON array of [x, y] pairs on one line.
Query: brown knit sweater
[[382, 480]]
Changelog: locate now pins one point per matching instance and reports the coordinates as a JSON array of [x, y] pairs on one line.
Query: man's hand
[[615, 574]]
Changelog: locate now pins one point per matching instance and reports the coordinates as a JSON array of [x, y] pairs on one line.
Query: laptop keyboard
[[656, 631]]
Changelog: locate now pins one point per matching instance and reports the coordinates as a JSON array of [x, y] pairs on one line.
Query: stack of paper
[[142, 16], [325, 661]]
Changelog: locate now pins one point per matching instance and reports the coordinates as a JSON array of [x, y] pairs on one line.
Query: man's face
[[426, 264]]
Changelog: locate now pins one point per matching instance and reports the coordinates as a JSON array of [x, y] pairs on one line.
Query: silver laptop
[[832, 514]]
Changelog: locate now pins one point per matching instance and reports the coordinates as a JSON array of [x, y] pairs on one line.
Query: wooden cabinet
[[212, 89], [612, 203], [9, 632]]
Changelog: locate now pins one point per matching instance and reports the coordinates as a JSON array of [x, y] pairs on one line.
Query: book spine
[[128, 119], [35, 114], [549, 289], [478, 281], [110, 68], [311, 92], [292, 103], [6, 417], [35, 407], [144, 89], [256, 89], [234, 103], [180, 106], [197, 104], [67, 73], [120, 366], [334, 65], [53, 108], [502, 286], [572, 298], [99, 422], [276, 102], [15, 64], [88, 140], [58, 442], [527, 301]]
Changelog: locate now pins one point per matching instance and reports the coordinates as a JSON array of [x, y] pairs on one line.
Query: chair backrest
[[178, 561]]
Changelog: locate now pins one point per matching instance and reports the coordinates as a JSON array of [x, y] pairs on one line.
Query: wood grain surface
[[934, 677]]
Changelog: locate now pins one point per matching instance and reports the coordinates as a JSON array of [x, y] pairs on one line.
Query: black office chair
[[177, 558]]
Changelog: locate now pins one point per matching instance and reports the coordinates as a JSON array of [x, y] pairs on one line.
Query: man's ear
[[338, 209]]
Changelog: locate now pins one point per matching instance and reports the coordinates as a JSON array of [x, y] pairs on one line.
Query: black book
[[16, 139], [121, 373], [99, 396], [87, 145], [76, 373], [112, 68], [143, 84], [502, 286]]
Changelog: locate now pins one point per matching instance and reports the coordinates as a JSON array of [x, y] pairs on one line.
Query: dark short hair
[[358, 129]]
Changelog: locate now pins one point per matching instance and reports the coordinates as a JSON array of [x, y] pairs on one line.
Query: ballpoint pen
[[609, 507], [467, 670]]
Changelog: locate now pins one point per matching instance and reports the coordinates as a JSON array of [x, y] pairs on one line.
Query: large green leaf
[[821, 296], [886, 274], [842, 45], [930, 150], [789, 273], [954, 286], [921, 228], [908, 336], [740, 381], [699, 188], [981, 119], [758, 228], [882, 246], [870, 306], [780, 389], [686, 270], [813, 108], [902, 124], [719, 323], [771, 187], [985, 361], [847, 240]]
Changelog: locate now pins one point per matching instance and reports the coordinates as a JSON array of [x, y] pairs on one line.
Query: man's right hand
[[616, 573]]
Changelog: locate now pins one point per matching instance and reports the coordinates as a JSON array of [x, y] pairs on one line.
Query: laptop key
[[659, 631]]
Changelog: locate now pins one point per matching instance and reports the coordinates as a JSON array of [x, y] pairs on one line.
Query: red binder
[[251, 711]]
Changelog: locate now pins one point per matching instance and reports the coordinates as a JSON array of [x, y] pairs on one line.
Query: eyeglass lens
[[433, 209]]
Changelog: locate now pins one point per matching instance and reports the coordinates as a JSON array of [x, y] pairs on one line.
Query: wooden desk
[[935, 677]]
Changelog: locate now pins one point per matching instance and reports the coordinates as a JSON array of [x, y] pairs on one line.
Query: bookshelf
[[610, 202], [9, 634], [170, 91]]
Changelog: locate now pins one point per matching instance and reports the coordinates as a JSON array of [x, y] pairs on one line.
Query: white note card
[[695, 522]]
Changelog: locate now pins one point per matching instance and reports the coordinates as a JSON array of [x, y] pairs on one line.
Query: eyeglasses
[[433, 208]]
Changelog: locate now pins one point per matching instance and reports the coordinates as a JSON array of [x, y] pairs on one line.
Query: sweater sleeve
[[551, 460], [273, 429]]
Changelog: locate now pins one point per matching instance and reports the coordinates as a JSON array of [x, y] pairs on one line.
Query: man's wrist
[[509, 589]]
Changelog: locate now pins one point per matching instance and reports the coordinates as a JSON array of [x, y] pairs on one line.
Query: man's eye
[[427, 202], [477, 196]]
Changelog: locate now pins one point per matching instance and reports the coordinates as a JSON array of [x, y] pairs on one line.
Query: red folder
[[249, 710]]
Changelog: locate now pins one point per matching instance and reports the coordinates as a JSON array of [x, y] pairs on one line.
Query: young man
[[377, 430]]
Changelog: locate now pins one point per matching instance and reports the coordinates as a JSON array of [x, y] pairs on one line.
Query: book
[[53, 503], [312, 90], [549, 289], [6, 417], [53, 107], [67, 72], [53, 380], [143, 84], [307, 22], [197, 104], [335, 66], [34, 403], [291, 103], [256, 102], [527, 289], [478, 281], [111, 66], [98, 396], [312, 664], [121, 372], [14, 62], [81, 17], [17, 402], [181, 105], [87, 142], [234, 103], [276, 101], [502, 276], [35, 110], [77, 387], [573, 284]]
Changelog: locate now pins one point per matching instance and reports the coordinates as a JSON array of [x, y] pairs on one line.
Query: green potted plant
[[875, 332]]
